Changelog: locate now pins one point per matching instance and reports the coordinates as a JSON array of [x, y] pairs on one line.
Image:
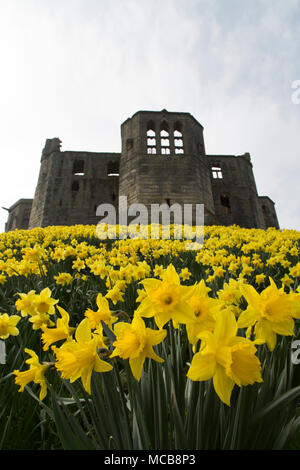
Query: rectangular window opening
[[217, 172], [78, 168], [113, 168]]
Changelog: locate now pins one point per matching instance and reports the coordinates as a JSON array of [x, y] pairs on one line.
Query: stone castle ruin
[[162, 160]]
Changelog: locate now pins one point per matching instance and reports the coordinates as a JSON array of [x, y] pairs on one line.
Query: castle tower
[[163, 161], [43, 194]]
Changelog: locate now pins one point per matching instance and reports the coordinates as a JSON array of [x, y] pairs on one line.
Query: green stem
[[117, 374]]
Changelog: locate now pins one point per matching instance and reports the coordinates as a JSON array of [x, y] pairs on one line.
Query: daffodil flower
[[79, 357], [61, 331], [35, 374], [166, 299], [44, 303], [102, 314], [8, 325], [269, 313], [205, 309], [135, 342], [25, 305]]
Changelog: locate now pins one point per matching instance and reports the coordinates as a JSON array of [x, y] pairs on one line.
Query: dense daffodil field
[[144, 344]]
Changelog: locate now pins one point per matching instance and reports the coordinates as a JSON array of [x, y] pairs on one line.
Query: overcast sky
[[76, 69]]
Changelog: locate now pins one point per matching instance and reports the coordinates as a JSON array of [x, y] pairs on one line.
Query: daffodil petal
[[251, 295], [202, 367], [223, 385], [136, 365], [225, 327]]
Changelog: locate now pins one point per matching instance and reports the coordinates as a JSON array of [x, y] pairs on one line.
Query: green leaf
[[70, 432], [277, 403]]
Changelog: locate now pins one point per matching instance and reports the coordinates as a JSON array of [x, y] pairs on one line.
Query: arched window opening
[[178, 138], [165, 142], [177, 129], [151, 133], [177, 134], [78, 167], [151, 138], [164, 138], [178, 142], [217, 172], [164, 133], [151, 142], [113, 168]]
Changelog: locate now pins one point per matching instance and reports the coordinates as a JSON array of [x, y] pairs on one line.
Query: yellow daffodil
[[158, 270], [269, 313], [64, 279], [287, 281], [135, 342], [294, 299], [141, 295], [8, 325], [79, 357], [205, 309], [101, 339], [218, 271], [260, 278], [41, 320], [44, 303], [185, 274], [25, 305], [59, 254], [61, 331], [78, 264], [35, 374], [226, 358], [295, 270], [166, 299], [231, 295], [115, 295]]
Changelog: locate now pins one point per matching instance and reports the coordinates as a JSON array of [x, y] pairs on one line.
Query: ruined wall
[[163, 161], [18, 215], [268, 211], [234, 191]]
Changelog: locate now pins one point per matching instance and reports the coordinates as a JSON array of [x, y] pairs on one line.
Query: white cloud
[[77, 69]]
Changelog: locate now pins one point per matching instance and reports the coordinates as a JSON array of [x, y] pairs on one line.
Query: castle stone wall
[[71, 185], [162, 160]]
